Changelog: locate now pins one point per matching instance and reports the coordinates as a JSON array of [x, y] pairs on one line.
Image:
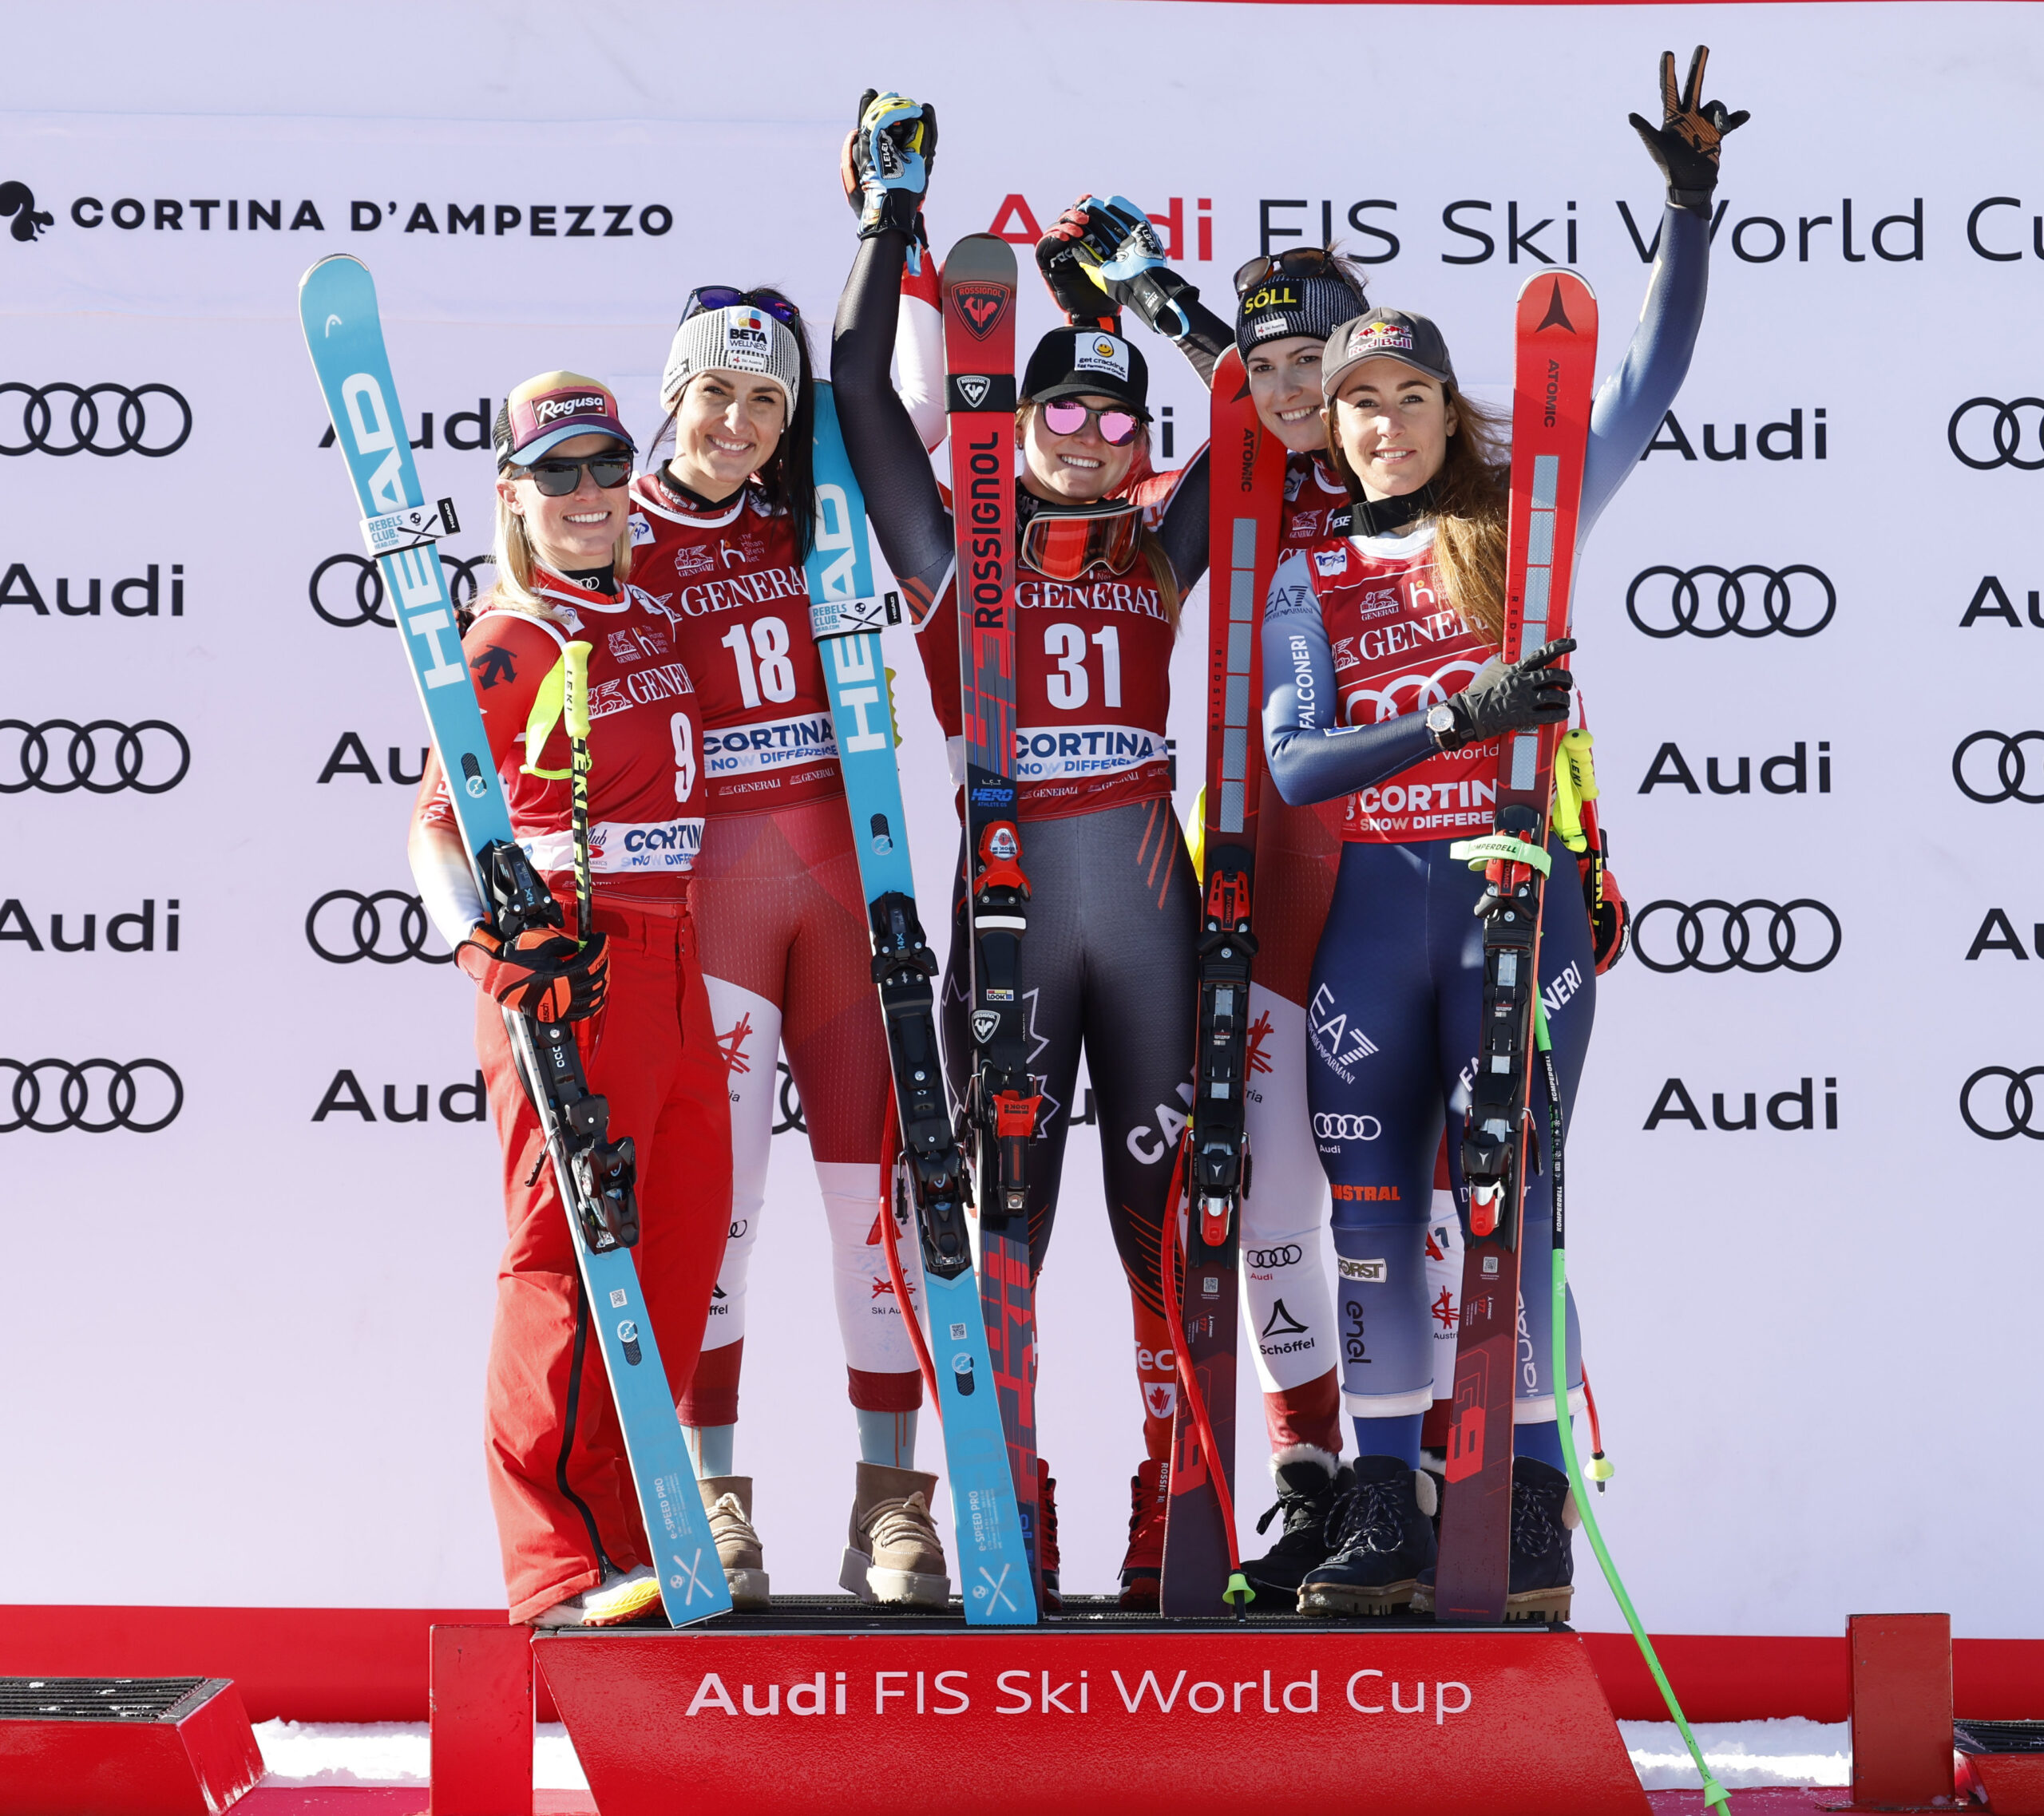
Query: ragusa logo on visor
[[553, 409]]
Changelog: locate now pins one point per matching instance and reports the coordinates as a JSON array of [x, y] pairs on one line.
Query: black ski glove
[[886, 162], [1686, 145], [1529, 692], [1118, 249], [1069, 277]]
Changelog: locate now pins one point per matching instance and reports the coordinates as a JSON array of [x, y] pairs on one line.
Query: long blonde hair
[[1149, 545], [1471, 510], [511, 548]]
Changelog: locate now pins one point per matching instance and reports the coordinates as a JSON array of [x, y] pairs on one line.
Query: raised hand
[[1686, 143], [886, 161], [1070, 262]]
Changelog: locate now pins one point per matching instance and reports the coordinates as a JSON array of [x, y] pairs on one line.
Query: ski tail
[[1248, 468], [344, 335], [1554, 368], [846, 613]]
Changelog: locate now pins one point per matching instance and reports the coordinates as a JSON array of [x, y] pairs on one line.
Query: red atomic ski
[[1556, 336], [1246, 466], [1000, 1111]]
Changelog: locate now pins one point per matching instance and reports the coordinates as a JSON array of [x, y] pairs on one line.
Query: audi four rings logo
[[2018, 1104], [1783, 603], [101, 757], [2003, 426], [151, 420], [2009, 770], [346, 606], [1288, 1255], [1346, 1128], [94, 1095], [364, 930], [1718, 937]]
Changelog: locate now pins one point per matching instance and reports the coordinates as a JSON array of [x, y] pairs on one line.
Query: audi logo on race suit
[[1408, 692], [1346, 1128], [2018, 1105], [93, 1096], [340, 938], [101, 756], [344, 606], [93, 419], [1796, 609], [1986, 432], [1716, 936], [2009, 771]]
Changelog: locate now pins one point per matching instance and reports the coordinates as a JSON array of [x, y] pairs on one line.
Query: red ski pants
[[559, 1480]]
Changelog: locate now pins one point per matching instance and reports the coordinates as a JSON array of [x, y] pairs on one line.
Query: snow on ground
[[1793, 1752]]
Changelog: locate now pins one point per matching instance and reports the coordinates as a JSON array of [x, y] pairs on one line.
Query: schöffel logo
[[2012, 1115], [1986, 432], [92, 1096], [342, 937], [93, 419], [355, 594], [101, 756], [1676, 604], [1715, 935], [1989, 766]]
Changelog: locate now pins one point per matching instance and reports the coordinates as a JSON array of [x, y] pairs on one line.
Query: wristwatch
[[1441, 721]]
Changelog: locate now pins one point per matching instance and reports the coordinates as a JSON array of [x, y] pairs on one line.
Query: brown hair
[[1150, 546], [1471, 510]]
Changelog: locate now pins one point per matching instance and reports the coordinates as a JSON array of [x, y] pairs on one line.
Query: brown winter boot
[[893, 1553], [728, 1499]]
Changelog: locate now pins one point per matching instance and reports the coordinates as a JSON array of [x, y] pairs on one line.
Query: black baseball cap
[[1071, 362], [1392, 334]]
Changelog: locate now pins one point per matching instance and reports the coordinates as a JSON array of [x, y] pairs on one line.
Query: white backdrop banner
[[245, 1323]]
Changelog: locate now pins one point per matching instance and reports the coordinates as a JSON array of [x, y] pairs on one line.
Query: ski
[[1247, 466], [846, 614], [344, 333], [1554, 367], [999, 1115]]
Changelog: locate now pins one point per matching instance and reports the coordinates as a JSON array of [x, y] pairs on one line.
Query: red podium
[[823, 1706]]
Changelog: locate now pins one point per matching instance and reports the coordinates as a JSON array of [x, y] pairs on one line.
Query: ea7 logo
[[981, 306]]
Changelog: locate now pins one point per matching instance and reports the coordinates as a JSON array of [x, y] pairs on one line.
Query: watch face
[[1440, 719]]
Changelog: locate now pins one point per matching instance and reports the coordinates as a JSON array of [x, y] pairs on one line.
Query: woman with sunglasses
[[721, 531], [575, 1551], [1107, 965], [1397, 981]]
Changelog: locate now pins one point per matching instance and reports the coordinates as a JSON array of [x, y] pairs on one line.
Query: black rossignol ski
[[1556, 336], [1202, 1568], [1000, 1112]]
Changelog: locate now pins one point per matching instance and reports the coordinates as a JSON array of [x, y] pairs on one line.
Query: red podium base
[[823, 1707], [123, 1746]]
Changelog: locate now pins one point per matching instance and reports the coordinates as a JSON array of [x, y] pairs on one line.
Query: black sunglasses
[[557, 478], [1299, 262], [722, 296]]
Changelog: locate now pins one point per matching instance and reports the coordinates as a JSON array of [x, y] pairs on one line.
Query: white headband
[[741, 339]]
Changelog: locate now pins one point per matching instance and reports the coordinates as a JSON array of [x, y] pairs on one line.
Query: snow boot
[[1047, 1559], [728, 1500], [1381, 1533], [1309, 1480], [1143, 1564], [892, 1554], [1541, 1585], [624, 1598]]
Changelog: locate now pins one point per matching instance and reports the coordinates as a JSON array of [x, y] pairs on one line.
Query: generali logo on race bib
[[1104, 353]]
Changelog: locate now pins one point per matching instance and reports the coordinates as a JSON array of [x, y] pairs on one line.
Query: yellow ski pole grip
[[575, 689]]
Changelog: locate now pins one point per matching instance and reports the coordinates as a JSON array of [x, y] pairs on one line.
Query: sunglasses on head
[[1118, 427], [723, 296], [1299, 262], [558, 478]]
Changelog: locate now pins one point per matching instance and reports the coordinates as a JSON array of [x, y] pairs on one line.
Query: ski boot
[[623, 1598], [728, 1500], [1143, 1564], [1047, 1559], [892, 1554], [1309, 1481], [1382, 1535], [1543, 1514]]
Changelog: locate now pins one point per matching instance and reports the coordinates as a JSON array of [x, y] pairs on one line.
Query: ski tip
[[984, 256], [1570, 279]]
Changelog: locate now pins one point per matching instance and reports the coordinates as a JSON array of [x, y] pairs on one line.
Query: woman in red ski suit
[[575, 1550]]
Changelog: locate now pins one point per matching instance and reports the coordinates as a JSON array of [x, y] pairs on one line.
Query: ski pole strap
[[549, 703], [416, 526], [1575, 782], [1494, 847]]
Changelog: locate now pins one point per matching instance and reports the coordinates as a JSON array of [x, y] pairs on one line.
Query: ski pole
[[1714, 1794], [575, 714]]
